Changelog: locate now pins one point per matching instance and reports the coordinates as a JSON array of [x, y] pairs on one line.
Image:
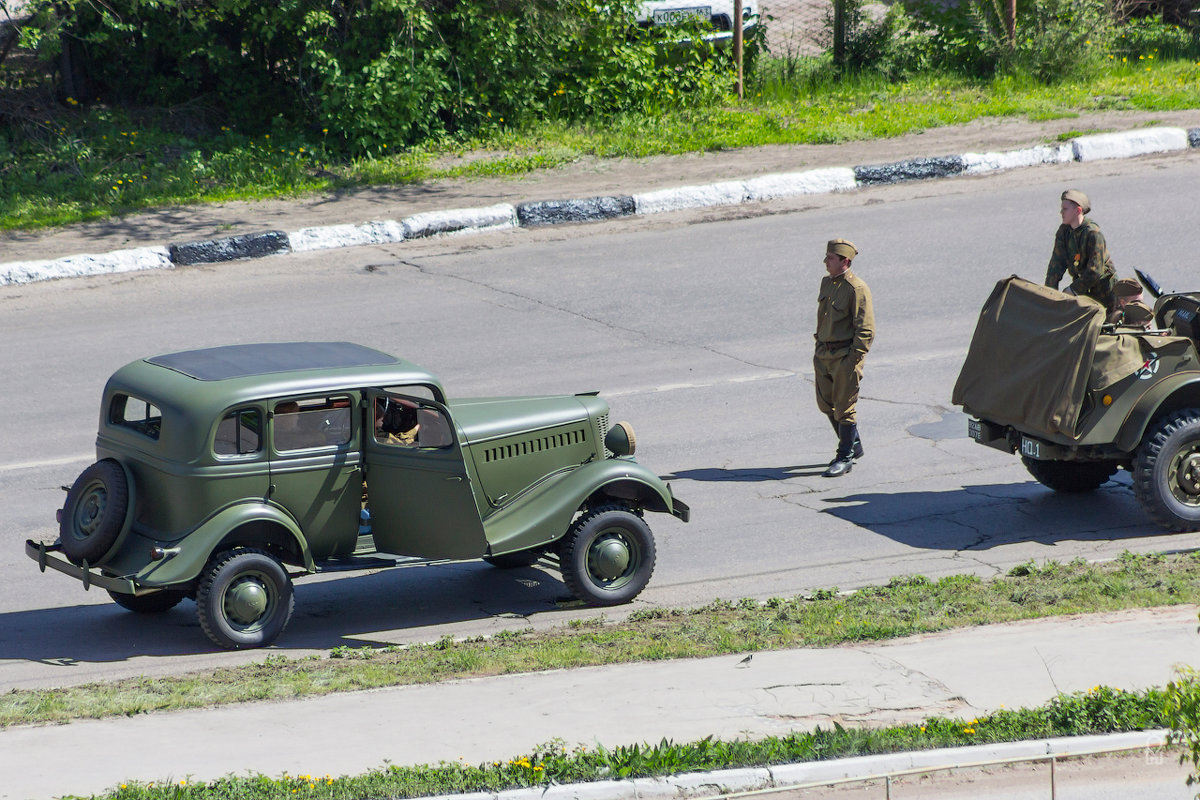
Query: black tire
[[155, 603], [607, 556], [245, 599], [94, 513], [1070, 477], [1166, 471], [521, 558]]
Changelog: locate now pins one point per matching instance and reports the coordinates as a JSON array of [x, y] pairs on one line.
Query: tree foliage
[[369, 71]]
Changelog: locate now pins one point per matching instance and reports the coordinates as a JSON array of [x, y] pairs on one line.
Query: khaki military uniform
[[1083, 253], [845, 330]]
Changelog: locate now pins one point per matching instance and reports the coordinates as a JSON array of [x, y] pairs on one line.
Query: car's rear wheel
[[94, 514], [155, 603], [1070, 476], [607, 556], [1166, 471], [245, 599]]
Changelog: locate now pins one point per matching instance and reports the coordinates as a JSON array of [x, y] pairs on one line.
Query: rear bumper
[[46, 556]]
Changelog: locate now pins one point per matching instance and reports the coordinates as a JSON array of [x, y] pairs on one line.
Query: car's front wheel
[[1166, 471], [154, 603], [1070, 476], [607, 556], [245, 599]]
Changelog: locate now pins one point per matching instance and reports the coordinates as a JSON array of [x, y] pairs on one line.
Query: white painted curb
[[383, 232], [462, 220], [977, 163], [1128, 144], [139, 258], [725, 193], [789, 184]]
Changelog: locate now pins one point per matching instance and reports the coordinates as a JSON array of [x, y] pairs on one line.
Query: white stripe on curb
[[74, 266], [1012, 159], [383, 232], [788, 184], [725, 193], [488, 218], [1129, 143]]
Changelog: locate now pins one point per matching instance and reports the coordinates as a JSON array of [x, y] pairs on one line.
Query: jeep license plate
[[674, 16], [1031, 447], [975, 430]]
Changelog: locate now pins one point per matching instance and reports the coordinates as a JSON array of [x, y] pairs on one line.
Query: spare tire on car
[[94, 514]]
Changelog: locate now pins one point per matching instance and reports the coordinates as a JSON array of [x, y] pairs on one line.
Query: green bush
[[1152, 37], [370, 72]]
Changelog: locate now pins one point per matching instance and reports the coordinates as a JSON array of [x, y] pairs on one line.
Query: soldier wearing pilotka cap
[[1080, 249], [845, 330]]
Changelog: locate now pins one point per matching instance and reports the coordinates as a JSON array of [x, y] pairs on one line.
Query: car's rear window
[[135, 414]]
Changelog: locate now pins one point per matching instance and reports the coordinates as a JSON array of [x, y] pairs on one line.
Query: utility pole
[[737, 44]]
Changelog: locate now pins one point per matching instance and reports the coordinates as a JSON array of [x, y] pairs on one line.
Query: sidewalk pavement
[[592, 190], [958, 674]]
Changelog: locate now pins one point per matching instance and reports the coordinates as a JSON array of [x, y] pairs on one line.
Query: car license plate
[[673, 16], [1031, 447], [975, 430]]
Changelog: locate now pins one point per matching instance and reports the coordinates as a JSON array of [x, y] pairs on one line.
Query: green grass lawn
[[94, 164]]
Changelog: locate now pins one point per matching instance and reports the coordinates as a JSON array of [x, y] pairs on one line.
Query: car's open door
[[418, 491]]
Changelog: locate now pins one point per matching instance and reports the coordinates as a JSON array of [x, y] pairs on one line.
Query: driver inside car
[[396, 421]]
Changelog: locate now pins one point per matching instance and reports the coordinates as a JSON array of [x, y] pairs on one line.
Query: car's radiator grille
[[603, 425], [537, 445]]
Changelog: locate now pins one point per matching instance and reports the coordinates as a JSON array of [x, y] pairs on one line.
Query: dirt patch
[[585, 177]]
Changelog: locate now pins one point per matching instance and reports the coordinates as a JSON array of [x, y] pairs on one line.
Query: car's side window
[[311, 422], [239, 433], [136, 414], [406, 421]]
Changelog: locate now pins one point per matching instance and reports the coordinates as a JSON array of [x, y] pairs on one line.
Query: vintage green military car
[[222, 473], [1047, 377]]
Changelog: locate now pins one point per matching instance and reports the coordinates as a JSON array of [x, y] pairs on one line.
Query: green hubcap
[[610, 558], [248, 601], [89, 511], [1185, 476]]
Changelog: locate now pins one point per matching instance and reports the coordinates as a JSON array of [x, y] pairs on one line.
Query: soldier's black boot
[[843, 460], [858, 451]]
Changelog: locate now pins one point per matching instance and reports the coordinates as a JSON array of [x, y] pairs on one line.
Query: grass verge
[[95, 164], [905, 606], [1099, 710]]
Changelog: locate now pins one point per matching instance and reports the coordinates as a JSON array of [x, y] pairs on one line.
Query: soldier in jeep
[[1080, 249]]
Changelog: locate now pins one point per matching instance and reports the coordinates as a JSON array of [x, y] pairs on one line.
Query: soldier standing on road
[[845, 330], [1079, 249]]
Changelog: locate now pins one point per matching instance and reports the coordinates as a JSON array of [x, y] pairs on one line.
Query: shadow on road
[[347, 610], [985, 516], [747, 474]]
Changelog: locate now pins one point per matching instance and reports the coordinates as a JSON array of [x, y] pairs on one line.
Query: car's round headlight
[[620, 439]]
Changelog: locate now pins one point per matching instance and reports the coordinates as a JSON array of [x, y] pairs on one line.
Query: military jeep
[[223, 473], [1048, 378]]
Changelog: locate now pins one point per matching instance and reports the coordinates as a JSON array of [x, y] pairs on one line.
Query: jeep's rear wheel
[[607, 556], [155, 603], [245, 599], [1166, 471], [1070, 476], [94, 514]]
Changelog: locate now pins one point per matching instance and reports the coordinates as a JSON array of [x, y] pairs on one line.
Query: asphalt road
[[696, 326]]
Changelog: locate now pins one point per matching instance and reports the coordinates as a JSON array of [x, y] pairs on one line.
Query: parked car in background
[[717, 16], [223, 473]]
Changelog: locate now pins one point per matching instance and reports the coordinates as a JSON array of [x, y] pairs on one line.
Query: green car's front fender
[[543, 514], [245, 524]]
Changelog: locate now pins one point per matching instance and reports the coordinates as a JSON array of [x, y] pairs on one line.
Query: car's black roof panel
[[243, 360]]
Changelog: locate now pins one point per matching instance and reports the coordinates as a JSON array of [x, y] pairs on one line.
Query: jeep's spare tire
[[94, 513]]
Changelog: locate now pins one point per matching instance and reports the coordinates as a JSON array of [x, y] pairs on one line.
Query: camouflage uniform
[[1083, 253], [845, 330]]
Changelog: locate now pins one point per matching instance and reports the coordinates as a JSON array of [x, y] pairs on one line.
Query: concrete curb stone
[[1126, 144], [591, 209], [251, 245]]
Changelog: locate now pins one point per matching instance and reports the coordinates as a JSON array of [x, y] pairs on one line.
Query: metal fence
[[797, 27]]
